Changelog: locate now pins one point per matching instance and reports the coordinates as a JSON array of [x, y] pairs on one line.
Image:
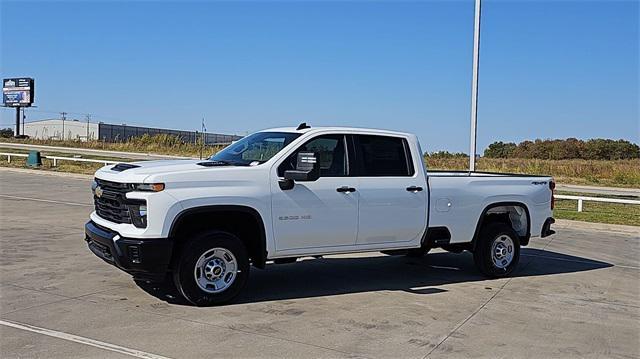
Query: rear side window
[[378, 156]]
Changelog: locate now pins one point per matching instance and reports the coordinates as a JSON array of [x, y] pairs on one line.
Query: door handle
[[414, 189], [345, 189]]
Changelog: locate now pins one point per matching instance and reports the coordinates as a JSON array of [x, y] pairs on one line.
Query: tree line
[[564, 149], [555, 149]]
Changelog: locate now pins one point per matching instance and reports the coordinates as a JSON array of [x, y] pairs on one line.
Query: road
[[575, 295]]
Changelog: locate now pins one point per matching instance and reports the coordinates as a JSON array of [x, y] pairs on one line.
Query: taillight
[[552, 187]]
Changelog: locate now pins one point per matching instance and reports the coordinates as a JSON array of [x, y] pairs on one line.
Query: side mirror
[[307, 168]]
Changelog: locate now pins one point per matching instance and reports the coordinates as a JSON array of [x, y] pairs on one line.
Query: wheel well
[[244, 222], [515, 214]]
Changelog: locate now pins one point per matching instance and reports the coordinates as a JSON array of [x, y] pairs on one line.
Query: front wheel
[[498, 250], [212, 269]]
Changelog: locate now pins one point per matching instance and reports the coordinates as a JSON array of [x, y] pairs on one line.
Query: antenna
[[302, 126]]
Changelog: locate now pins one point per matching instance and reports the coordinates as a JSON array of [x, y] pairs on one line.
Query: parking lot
[[575, 294]]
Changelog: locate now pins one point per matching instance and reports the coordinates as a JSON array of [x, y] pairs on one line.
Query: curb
[[565, 223], [46, 173]]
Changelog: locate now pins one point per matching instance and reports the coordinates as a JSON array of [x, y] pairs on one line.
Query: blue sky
[[548, 69]]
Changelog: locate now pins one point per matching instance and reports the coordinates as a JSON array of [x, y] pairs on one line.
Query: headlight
[[152, 187], [138, 213]]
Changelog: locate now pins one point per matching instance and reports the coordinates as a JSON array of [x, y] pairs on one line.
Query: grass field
[[598, 212]]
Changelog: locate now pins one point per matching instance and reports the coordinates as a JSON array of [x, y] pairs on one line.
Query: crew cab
[[285, 193]]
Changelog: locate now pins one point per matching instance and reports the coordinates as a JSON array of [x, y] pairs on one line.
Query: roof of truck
[[336, 128]]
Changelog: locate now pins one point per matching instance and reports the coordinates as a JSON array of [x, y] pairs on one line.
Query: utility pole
[[64, 117], [204, 134], [17, 122], [474, 88], [24, 117], [88, 120]]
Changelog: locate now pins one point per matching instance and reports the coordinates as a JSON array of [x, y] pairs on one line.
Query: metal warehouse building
[[58, 129]]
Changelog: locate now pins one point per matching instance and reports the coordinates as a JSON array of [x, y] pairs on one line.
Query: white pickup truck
[[285, 193]]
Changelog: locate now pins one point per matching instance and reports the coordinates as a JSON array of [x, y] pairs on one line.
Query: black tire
[[482, 255], [184, 278]]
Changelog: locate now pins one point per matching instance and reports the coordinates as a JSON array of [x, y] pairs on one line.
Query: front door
[[321, 213]]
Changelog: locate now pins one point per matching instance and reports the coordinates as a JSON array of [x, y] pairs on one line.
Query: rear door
[[393, 193]]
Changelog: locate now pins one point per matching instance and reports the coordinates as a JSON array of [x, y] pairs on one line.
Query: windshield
[[255, 149]]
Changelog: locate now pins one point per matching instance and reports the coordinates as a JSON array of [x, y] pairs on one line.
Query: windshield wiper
[[213, 163]]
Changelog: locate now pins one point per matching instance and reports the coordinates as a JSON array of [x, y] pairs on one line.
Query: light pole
[[474, 87], [64, 117], [88, 121]]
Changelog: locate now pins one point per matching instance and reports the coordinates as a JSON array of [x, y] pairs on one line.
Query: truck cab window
[[331, 153], [382, 156]]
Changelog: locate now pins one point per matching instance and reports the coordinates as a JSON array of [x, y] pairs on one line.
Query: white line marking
[[46, 200], [81, 340]]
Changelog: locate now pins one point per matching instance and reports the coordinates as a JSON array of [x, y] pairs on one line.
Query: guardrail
[[581, 199], [55, 159], [89, 151]]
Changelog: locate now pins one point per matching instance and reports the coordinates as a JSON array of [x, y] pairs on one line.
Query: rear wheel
[[212, 269], [498, 250]]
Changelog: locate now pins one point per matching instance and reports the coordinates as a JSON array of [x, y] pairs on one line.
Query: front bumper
[[143, 258]]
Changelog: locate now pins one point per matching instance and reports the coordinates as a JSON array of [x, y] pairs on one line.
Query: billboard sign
[[17, 92]]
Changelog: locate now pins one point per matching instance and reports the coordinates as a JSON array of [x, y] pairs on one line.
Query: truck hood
[[137, 172]]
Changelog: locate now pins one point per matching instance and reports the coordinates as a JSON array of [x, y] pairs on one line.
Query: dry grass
[[157, 144], [86, 168]]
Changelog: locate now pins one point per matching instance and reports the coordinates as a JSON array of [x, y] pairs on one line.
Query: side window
[[331, 153], [379, 156]]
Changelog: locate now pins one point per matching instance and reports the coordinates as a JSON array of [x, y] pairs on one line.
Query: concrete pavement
[[575, 295]]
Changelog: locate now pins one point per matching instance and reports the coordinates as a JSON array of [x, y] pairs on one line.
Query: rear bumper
[[546, 227], [142, 258]]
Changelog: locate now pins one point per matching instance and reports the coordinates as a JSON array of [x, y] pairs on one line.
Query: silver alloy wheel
[[216, 270], [502, 251]]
